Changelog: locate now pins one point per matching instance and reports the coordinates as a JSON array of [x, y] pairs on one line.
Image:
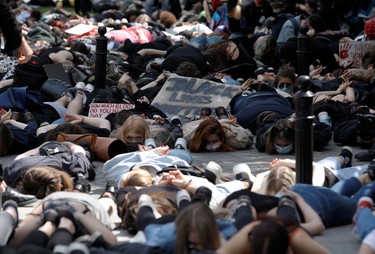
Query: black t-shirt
[[184, 53]]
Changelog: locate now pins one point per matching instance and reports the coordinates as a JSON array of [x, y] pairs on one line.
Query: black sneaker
[[369, 155], [347, 154], [371, 170]]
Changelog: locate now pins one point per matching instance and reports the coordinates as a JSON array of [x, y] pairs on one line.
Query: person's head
[[216, 55], [134, 131], [368, 59], [316, 24], [137, 177], [264, 49], [128, 207], [188, 69], [196, 229], [277, 178], [311, 6], [285, 79], [167, 18], [6, 138], [280, 138], [269, 237], [43, 180], [35, 15], [210, 136], [67, 128]]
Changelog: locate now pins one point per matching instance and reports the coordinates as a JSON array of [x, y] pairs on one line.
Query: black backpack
[[279, 21], [30, 74]]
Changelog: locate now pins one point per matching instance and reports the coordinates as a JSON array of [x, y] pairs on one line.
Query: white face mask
[[213, 147]]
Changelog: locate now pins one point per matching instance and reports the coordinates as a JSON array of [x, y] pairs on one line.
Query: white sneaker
[[325, 118], [150, 142], [80, 86], [89, 88], [215, 169], [181, 144], [243, 168], [146, 200]]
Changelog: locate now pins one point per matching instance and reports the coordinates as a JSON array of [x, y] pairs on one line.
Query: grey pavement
[[337, 240]]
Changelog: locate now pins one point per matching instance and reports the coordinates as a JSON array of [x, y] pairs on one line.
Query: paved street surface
[[338, 240]]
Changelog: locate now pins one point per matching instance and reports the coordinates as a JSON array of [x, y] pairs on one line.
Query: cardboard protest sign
[[101, 110], [353, 51], [186, 96]]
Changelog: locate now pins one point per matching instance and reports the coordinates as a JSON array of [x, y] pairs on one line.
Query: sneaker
[[347, 155], [202, 194], [325, 118], [366, 156], [146, 200], [182, 195], [287, 201], [242, 172], [176, 121], [84, 97], [181, 144], [371, 170], [206, 111], [213, 172], [221, 113], [89, 88], [150, 142], [80, 86], [363, 202], [241, 201]]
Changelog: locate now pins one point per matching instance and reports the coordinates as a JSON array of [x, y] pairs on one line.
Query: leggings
[[8, 224]]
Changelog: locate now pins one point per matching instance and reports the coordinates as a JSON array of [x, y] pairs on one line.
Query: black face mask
[[133, 146]]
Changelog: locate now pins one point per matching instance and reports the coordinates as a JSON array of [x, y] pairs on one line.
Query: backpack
[[279, 22], [30, 74]]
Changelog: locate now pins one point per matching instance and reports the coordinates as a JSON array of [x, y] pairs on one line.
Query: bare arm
[[92, 224], [93, 121], [313, 223], [16, 124], [152, 52], [240, 242], [302, 243], [46, 128]]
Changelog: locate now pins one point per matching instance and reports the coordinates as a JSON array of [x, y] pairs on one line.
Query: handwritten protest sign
[[186, 96], [353, 51], [101, 110]]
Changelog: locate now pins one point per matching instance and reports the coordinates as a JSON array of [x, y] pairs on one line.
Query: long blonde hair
[[134, 123], [277, 178]]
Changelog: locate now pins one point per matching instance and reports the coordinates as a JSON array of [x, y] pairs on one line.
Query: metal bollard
[[303, 52], [304, 130], [101, 58]]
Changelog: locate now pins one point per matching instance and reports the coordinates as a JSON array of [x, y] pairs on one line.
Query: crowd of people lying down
[[152, 184]]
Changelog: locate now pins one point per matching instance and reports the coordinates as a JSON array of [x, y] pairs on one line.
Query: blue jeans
[[334, 209], [365, 222], [182, 154]]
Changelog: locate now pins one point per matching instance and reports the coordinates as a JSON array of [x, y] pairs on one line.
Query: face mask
[[286, 90], [283, 150], [213, 147], [133, 146]]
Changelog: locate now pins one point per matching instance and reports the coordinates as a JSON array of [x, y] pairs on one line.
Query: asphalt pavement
[[338, 240]]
